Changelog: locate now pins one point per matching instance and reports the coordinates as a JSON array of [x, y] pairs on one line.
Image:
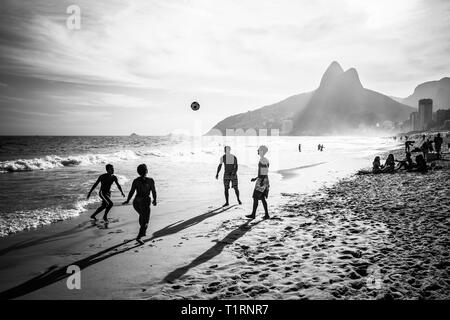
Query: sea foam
[[53, 161]]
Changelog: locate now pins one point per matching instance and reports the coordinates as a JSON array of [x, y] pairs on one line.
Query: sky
[[136, 66]]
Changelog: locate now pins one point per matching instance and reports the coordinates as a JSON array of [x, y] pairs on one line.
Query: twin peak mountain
[[340, 105]]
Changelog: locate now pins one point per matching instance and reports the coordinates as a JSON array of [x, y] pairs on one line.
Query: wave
[[52, 161], [31, 219], [155, 153]]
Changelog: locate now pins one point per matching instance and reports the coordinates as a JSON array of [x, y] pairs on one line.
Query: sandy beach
[[366, 237]]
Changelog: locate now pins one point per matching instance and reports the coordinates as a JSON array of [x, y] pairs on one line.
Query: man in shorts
[[230, 174], [106, 180]]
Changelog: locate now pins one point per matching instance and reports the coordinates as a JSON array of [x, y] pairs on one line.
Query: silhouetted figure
[[261, 191], [299, 147], [438, 144], [389, 165], [407, 164], [430, 145], [106, 180], [141, 203], [376, 165], [318, 147], [230, 174], [408, 145], [424, 148], [421, 164], [321, 147]]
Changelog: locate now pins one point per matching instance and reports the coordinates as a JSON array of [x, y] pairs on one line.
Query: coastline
[[355, 240]]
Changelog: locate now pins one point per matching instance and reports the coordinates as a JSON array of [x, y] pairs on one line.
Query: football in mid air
[[195, 106]]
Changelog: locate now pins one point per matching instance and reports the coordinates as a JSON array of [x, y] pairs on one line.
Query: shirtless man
[[230, 174], [106, 180]]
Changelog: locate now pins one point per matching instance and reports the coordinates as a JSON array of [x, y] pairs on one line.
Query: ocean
[[46, 179]]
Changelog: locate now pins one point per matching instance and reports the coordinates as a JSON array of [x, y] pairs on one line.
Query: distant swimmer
[[261, 191], [141, 203], [230, 174], [106, 180]]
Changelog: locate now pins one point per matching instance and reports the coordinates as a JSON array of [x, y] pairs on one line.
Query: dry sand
[[367, 237]]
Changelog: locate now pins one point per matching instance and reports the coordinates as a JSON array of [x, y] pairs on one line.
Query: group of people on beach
[[143, 186], [424, 151]]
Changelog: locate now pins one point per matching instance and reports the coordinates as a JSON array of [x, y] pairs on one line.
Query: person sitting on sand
[[407, 163], [261, 191], [421, 164], [376, 165], [106, 180], [230, 174], [389, 165], [141, 203]]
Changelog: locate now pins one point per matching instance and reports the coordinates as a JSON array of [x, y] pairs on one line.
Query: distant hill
[[339, 104], [342, 105], [439, 91], [278, 115]]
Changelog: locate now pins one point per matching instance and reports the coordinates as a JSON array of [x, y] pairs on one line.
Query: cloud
[[102, 100], [236, 55]]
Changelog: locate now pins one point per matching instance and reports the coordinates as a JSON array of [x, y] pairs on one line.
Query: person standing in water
[[141, 203], [230, 174], [106, 180], [261, 191]]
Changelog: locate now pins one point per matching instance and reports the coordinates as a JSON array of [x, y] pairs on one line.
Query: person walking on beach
[[141, 203], [230, 174], [106, 180], [261, 191]]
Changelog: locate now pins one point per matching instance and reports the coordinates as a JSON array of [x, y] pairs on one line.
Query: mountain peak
[[351, 76], [332, 72]]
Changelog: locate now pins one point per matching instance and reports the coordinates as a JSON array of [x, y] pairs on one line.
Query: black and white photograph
[[211, 150]]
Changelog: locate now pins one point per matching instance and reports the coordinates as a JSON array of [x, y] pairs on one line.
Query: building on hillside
[[414, 120], [442, 116], [425, 113]]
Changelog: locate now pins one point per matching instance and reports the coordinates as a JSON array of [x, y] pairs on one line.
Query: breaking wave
[[53, 161]]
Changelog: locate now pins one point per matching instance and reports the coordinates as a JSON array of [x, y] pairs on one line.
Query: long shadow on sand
[[212, 252], [36, 241], [54, 273], [181, 225]]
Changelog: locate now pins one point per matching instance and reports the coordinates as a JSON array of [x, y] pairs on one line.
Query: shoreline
[[287, 257]]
